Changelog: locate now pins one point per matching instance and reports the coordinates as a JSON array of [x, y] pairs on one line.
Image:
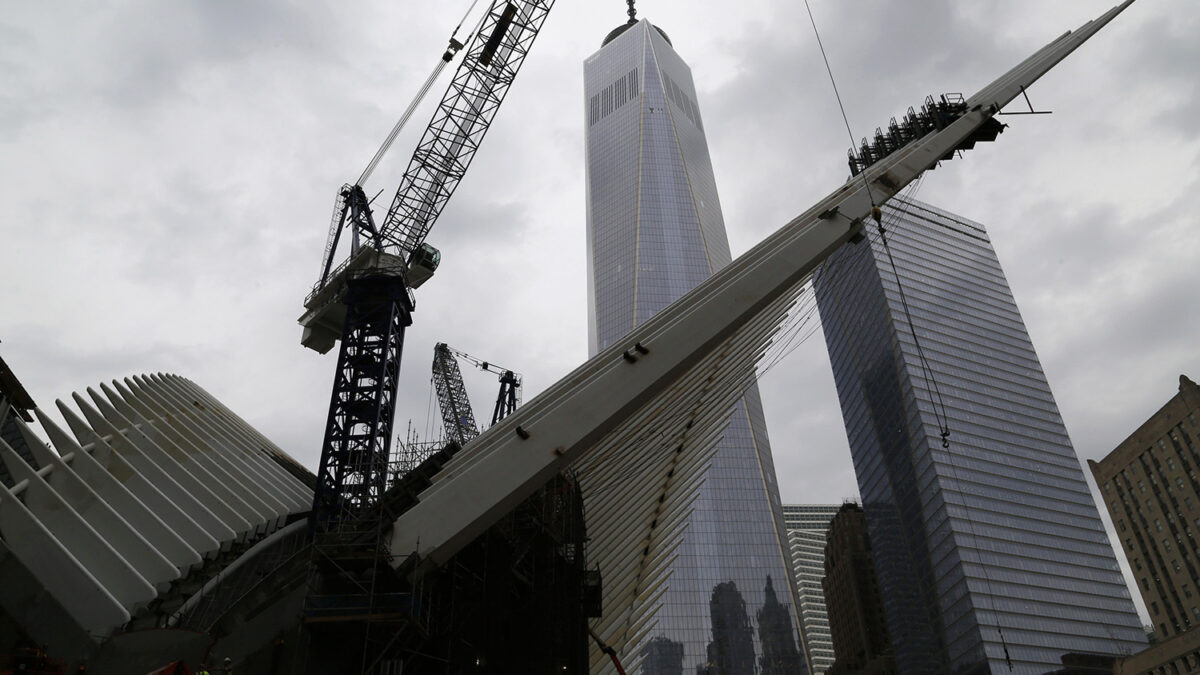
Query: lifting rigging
[[366, 301], [457, 415]]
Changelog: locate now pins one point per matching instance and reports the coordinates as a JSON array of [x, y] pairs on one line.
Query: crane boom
[[462, 118], [457, 416]]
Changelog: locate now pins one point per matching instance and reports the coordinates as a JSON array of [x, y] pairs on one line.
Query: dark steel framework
[[354, 459], [352, 590], [461, 120], [355, 450], [354, 209], [457, 416], [506, 402], [936, 114]]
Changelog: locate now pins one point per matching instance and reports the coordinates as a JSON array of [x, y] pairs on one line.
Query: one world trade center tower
[[655, 231]]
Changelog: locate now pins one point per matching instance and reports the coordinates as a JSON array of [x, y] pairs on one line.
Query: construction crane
[[457, 416], [366, 301]]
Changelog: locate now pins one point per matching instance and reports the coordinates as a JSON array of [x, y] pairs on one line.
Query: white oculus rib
[[159, 478]]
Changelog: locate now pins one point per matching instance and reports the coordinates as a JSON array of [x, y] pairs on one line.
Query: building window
[[1158, 524], [1145, 583], [1154, 609], [1141, 486], [1166, 544], [1187, 591]]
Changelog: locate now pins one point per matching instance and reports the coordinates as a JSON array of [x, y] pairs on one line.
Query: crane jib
[[489, 50]]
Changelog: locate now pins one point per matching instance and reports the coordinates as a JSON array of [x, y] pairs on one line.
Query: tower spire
[[632, 11]]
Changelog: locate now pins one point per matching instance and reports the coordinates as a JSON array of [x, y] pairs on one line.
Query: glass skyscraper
[[993, 541], [807, 525], [655, 231]]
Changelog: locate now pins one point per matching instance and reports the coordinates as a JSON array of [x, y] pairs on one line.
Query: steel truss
[[457, 416], [461, 120], [354, 459]]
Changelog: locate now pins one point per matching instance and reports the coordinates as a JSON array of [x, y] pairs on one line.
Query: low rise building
[[1151, 486]]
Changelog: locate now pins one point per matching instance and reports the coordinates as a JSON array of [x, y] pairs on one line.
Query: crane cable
[[446, 57], [942, 420]]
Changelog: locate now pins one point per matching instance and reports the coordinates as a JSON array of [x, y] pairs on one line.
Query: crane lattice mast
[[458, 417]]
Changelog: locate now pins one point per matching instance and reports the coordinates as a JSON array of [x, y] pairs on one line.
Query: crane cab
[[422, 264]]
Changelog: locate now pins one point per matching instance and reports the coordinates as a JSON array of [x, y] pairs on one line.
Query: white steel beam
[[229, 430], [227, 482], [147, 489], [104, 519], [120, 446], [92, 449], [153, 526], [87, 545], [196, 479], [58, 571], [251, 473]]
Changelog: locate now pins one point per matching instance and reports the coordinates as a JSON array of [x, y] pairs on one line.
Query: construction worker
[[203, 670]]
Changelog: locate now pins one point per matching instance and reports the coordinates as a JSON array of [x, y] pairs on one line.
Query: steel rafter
[[354, 460]]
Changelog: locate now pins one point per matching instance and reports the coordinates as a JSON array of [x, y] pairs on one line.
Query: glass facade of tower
[[807, 525], [993, 541], [655, 231]]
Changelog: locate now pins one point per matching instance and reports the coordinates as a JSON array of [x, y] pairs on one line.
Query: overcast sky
[[167, 172]]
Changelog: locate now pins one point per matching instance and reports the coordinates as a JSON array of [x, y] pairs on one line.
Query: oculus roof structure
[[155, 479]]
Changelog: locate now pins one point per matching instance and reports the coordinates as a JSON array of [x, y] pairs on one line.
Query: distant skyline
[[168, 171]]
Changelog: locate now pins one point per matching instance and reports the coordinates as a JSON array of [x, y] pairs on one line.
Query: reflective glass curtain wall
[[807, 526], [655, 231], [999, 532]]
